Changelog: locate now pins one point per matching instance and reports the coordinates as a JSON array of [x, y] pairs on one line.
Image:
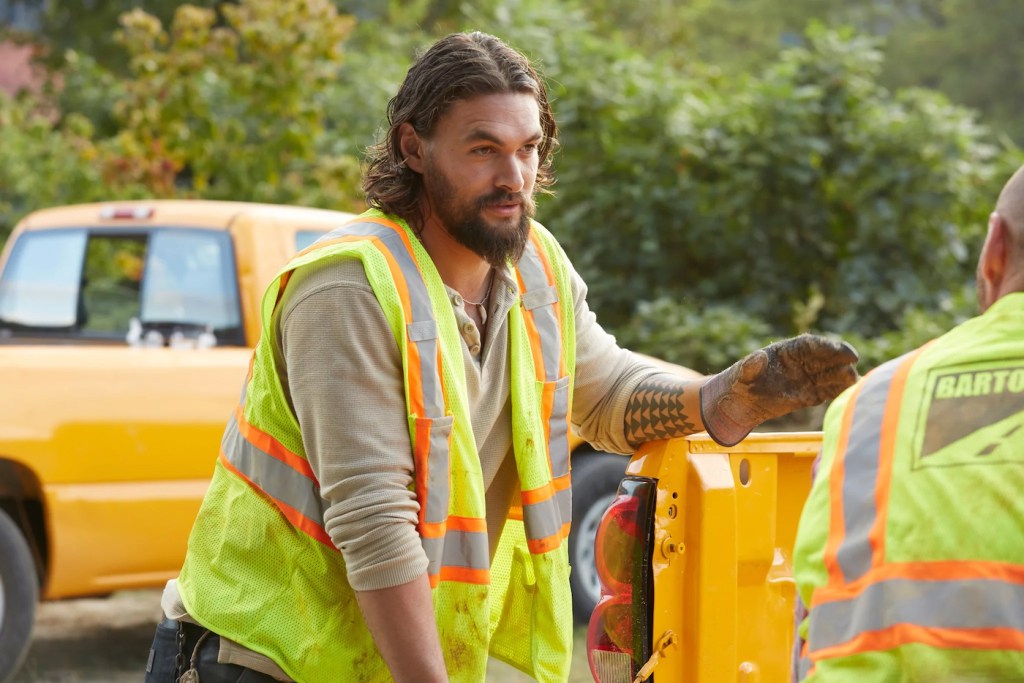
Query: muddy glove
[[770, 382]]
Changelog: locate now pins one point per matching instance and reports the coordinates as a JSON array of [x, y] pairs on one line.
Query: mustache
[[502, 197]]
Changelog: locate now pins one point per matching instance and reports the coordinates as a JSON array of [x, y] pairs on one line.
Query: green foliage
[[813, 180], [917, 326], [45, 164], [234, 111], [230, 111], [709, 209], [705, 339], [969, 51]]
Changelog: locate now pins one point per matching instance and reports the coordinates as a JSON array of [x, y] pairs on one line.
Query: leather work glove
[[785, 376]]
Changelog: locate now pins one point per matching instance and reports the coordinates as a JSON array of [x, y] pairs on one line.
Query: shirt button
[[474, 349], [468, 327], [456, 299]]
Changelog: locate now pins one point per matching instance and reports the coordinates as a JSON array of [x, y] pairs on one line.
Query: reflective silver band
[[558, 430], [277, 479], [960, 604], [538, 299], [860, 463], [466, 549], [545, 519]]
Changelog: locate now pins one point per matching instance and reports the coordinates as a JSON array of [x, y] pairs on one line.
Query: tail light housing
[[619, 636]]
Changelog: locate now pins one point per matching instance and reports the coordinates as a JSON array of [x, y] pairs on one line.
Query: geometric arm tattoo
[[658, 410]]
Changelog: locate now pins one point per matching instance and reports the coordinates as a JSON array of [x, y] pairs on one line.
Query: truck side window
[[110, 284], [190, 279], [39, 287]]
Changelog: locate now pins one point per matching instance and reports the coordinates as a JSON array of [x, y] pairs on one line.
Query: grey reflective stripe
[[558, 429], [436, 510], [422, 312], [467, 549], [545, 519], [803, 668], [278, 480], [860, 464], [963, 604], [537, 299]]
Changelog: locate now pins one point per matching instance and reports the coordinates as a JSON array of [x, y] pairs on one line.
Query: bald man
[[910, 550]]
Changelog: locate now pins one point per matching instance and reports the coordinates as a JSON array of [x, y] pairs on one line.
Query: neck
[[460, 268]]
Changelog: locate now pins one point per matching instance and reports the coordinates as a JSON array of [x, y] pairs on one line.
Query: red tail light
[[619, 637]]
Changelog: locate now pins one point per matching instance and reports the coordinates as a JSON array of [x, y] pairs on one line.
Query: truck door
[[131, 357]]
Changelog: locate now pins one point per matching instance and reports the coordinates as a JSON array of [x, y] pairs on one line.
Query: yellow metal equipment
[[724, 526]]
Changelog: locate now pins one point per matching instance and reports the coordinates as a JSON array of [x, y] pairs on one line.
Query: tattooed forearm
[[663, 407]]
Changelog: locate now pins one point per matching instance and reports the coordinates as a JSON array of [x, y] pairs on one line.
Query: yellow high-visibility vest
[[262, 571], [910, 550]]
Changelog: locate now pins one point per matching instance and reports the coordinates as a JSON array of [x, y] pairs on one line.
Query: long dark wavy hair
[[458, 67]]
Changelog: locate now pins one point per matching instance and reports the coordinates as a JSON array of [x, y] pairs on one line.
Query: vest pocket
[[513, 633]]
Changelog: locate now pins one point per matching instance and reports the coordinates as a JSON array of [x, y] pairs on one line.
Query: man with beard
[[392, 497]]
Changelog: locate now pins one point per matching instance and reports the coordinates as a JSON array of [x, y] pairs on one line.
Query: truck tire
[[19, 591], [595, 479]]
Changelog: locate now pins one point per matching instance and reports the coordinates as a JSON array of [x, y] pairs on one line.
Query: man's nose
[[512, 174]]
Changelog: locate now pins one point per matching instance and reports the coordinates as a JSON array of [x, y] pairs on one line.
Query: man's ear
[[994, 252], [411, 145]]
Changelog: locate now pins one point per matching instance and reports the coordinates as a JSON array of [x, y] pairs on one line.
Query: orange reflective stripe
[[464, 575], [539, 494], [296, 518], [533, 335], [906, 634], [427, 530], [475, 524], [543, 545], [421, 467], [886, 455], [456, 523], [868, 427], [545, 492], [271, 446], [837, 526], [935, 608]]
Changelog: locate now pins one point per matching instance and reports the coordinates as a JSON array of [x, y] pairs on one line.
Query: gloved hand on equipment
[[785, 376]]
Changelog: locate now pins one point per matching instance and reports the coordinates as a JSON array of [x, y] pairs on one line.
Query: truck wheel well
[[21, 498]]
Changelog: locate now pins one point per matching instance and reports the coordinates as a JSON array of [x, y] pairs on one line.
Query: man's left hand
[[770, 382]]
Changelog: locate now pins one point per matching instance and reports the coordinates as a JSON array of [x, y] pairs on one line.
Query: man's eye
[[482, 151]]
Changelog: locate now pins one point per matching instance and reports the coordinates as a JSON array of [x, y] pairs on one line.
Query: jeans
[[174, 649]]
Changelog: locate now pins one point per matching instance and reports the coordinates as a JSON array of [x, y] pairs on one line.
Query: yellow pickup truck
[[125, 332]]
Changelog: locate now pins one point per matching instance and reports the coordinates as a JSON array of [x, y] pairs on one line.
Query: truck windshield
[[91, 284]]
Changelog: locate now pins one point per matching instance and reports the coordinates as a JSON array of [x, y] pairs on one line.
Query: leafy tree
[[808, 197], [229, 111], [971, 51]]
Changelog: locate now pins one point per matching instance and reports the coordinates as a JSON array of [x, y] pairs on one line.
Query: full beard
[[497, 244]]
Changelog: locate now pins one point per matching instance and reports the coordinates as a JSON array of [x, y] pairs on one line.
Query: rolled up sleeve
[[606, 377]]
